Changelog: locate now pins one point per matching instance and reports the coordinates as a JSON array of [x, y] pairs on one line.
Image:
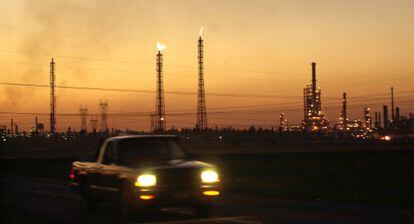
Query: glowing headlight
[[209, 176], [146, 180]]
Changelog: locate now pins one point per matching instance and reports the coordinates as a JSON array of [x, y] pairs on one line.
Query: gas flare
[[160, 47], [200, 33]]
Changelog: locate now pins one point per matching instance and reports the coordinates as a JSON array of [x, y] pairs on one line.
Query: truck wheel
[[203, 210], [91, 203], [126, 209]]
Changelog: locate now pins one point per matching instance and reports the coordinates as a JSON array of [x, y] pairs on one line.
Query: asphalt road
[[36, 200]]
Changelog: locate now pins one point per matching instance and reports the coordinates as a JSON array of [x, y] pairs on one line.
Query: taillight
[[72, 174]]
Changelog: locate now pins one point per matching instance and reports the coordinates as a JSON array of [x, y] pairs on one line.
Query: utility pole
[[52, 98]]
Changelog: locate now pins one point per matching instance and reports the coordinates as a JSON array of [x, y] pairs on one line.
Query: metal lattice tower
[[201, 100], [160, 125], [83, 111], [94, 124], [52, 98], [103, 106], [153, 120]]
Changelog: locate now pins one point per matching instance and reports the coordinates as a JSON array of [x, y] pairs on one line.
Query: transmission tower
[[52, 98], [83, 111], [94, 124], [104, 114], [160, 106], [153, 120], [201, 100]]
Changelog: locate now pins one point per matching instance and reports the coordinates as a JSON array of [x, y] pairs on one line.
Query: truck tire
[[126, 208], [91, 203]]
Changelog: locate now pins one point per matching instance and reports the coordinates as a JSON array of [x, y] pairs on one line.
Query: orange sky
[[251, 47]]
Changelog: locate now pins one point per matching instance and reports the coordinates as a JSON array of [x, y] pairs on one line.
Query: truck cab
[[145, 171]]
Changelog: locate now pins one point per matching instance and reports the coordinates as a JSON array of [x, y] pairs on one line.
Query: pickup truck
[[145, 171]]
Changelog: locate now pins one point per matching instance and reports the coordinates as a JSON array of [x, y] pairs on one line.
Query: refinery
[[380, 126]]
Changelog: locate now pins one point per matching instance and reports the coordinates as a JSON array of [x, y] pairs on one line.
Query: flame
[[160, 47], [200, 33]]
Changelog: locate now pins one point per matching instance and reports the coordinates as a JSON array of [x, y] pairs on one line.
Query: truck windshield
[[133, 151]]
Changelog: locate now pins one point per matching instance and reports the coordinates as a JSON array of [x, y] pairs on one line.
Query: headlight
[[146, 180], [209, 176]]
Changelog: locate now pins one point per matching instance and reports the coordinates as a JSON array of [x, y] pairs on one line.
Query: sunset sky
[[257, 57]]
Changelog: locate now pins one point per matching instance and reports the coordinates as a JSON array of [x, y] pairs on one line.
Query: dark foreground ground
[[340, 187]]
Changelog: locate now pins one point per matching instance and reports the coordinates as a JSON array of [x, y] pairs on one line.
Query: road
[[36, 200]]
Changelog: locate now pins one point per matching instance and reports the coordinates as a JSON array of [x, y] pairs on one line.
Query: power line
[[169, 92], [131, 61], [144, 91]]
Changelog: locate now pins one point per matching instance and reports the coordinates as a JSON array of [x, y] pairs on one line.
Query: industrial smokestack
[[11, 126], [392, 104], [314, 77], [52, 98], [344, 115], [385, 108], [379, 119], [36, 125], [397, 113]]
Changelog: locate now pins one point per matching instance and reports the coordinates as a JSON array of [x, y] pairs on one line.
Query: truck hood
[[176, 164]]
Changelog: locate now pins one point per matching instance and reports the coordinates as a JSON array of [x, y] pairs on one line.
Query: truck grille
[[178, 177]]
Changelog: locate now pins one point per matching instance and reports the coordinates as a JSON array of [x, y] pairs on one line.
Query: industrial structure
[[385, 114], [201, 99], [103, 106], [94, 124], [367, 118], [153, 121], [83, 112], [11, 127], [283, 123], [314, 119], [343, 120], [160, 125], [392, 105], [52, 98]]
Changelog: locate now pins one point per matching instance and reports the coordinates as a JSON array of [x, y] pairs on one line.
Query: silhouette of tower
[[52, 98], [368, 119], [36, 126], [11, 127], [94, 124], [104, 114], [283, 123], [344, 116], [153, 121], [314, 120], [385, 111], [83, 111], [160, 125], [201, 100], [392, 105]]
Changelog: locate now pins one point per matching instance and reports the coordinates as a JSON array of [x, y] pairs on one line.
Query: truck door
[[108, 182]]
